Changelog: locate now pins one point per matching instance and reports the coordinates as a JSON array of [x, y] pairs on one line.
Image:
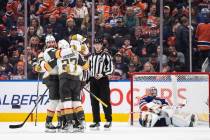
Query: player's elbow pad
[[58, 54], [85, 66], [45, 66], [37, 68]]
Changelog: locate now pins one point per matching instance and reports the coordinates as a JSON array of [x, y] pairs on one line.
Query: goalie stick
[[12, 126]]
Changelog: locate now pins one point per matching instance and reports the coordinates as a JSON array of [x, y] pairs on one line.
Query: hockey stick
[[37, 94], [20, 125], [98, 99]]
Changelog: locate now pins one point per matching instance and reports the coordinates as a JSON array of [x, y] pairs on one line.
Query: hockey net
[[188, 89]]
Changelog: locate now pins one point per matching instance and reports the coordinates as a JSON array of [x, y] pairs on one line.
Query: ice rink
[[118, 131]]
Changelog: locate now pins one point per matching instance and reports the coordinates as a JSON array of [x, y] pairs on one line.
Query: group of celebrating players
[[63, 65]]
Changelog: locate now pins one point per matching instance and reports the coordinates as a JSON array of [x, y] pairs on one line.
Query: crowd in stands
[[130, 30]]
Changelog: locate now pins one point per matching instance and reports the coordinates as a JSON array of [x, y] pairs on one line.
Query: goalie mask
[[63, 44], [153, 91]]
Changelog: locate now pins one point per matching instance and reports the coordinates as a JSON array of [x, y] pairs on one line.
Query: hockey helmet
[[63, 44], [78, 37], [49, 38]]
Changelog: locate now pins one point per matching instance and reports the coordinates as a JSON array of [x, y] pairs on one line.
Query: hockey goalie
[[156, 112]]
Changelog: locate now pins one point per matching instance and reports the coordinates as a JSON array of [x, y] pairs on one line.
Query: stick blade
[[15, 126]]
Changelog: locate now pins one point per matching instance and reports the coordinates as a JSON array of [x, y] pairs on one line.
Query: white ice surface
[[119, 131]]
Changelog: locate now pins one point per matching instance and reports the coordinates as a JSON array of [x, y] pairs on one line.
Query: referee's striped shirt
[[100, 63]]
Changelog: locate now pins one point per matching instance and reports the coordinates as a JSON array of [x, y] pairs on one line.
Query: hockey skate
[[68, 128], [149, 121], [61, 123], [81, 126], [146, 122], [95, 126], [107, 125], [192, 120], [59, 126], [75, 126], [49, 127]]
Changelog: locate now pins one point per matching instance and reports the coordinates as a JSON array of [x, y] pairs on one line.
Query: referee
[[101, 66]]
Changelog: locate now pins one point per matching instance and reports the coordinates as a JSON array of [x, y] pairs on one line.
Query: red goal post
[[190, 88]]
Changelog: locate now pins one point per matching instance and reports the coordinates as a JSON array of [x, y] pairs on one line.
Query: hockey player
[[156, 112], [79, 38], [48, 65], [78, 117], [77, 43], [70, 66], [150, 109]]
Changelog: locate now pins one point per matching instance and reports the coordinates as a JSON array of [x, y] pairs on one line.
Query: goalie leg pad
[[154, 119], [183, 119], [148, 119]]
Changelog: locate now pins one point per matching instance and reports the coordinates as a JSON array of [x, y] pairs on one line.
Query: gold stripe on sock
[[50, 113], [68, 111], [58, 113], [78, 109]]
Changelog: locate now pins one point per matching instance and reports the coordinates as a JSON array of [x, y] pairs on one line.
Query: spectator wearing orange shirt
[[152, 16], [48, 8], [10, 16], [114, 16], [203, 37], [126, 49], [65, 10], [103, 9], [140, 8]]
